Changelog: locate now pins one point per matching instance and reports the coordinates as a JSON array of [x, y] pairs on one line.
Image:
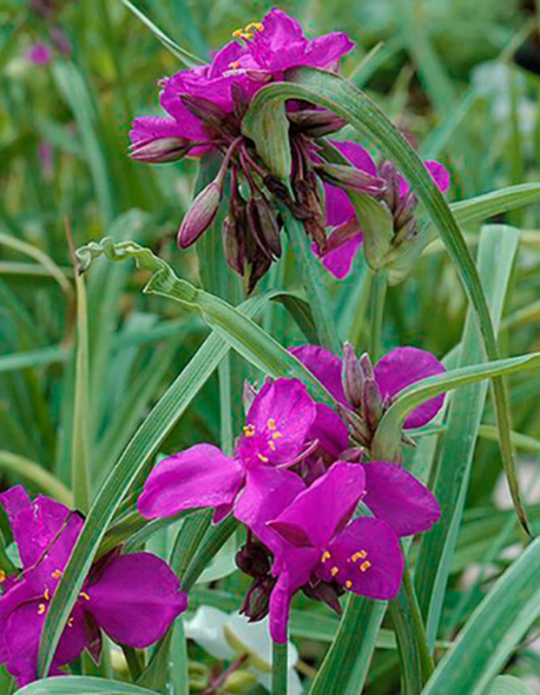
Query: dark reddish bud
[[353, 380], [311, 208], [316, 124], [253, 559], [209, 113], [389, 173], [372, 406], [201, 214], [160, 150], [257, 600], [263, 226], [352, 178], [325, 592]]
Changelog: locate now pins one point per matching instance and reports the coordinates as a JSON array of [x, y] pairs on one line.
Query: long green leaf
[[79, 685], [497, 250], [493, 631]]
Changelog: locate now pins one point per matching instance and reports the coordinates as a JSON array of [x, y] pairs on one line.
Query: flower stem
[[378, 296], [279, 669]]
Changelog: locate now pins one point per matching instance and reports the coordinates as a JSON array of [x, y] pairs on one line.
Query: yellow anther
[[262, 458], [258, 26], [325, 556], [84, 595], [249, 430], [365, 566], [70, 622], [271, 424], [360, 555], [41, 608], [272, 446], [56, 574], [234, 65], [238, 34], [334, 571], [348, 584], [46, 595], [3, 576], [276, 435]]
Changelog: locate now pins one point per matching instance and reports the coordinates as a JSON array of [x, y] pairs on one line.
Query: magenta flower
[[39, 54], [395, 371], [275, 437], [314, 540], [260, 53], [346, 235], [132, 598]]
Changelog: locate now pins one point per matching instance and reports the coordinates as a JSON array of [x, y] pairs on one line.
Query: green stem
[[135, 662], [279, 668], [80, 446], [379, 285], [416, 662], [315, 291]]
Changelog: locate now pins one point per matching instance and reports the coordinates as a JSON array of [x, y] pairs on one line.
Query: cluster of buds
[[252, 226], [401, 204], [364, 395]]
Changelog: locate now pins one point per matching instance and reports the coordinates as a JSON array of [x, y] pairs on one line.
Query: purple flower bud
[[389, 173], [367, 367], [201, 214], [160, 150], [351, 177], [316, 124], [352, 376], [372, 406]]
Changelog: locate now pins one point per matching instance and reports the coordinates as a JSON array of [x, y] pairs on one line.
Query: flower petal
[[440, 175], [330, 430], [325, 51], [267, 492], [201, 476], [325, 366], [403, 367], [396, 496], [322, 509], [378, 571], [135, 599], [297, 566], [339, 261], [283, 413]]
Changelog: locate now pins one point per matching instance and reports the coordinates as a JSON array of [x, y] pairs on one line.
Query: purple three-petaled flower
[[346, 237], [259, 53], [314, 539], [132, 598], [280, 422]]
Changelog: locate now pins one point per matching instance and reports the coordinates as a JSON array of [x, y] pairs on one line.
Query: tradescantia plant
[[337, 449]]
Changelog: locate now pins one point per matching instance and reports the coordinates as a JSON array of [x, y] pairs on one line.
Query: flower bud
[[372, 406], [160, 150], [388, 172], [316, 124], [201, 214], [263, 226], [253, 559], [257, 600], [325, 592], [352, 376], [209, 113], [351, 177]]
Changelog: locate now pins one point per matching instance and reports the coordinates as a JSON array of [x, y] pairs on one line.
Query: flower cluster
[[206, 106], [132, 598], [320, 518]]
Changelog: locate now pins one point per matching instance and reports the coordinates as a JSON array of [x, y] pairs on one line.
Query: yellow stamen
[[254, 25], [238, 34], [348, 584], [56, 574], [234, 65], [325, 556], [248, 32], [70, 622], [272, 446], [365, 566], [276, 435], [41, 608], [84, 595], [249, 430], [46, 595], [360, 555], [271, 424], [3, 576], [334, 571], [262, 458]]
